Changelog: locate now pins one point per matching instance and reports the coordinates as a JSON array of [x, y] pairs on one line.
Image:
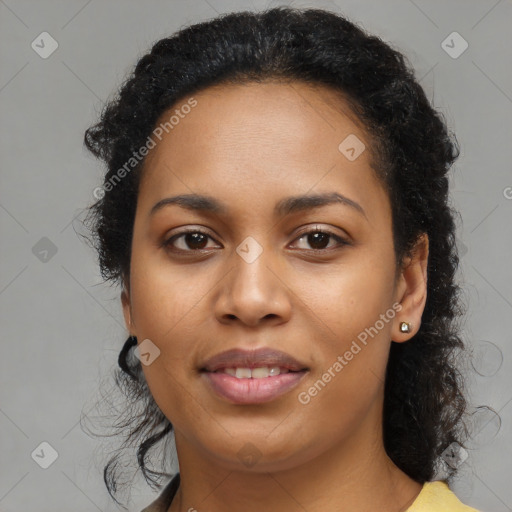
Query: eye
[[319, 239], [196, 240], [188, 241]]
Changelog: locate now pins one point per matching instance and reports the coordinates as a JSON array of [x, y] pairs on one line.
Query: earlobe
[[412, 292]]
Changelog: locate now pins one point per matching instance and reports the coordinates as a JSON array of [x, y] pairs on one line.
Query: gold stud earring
[[405, 327]]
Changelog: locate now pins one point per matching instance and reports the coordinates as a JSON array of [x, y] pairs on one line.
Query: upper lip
[[240, 358]]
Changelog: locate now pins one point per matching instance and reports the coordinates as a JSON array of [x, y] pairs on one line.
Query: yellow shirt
[[433, 497], [437, 497]]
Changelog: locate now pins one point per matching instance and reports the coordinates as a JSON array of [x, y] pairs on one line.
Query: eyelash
[[168, 243]]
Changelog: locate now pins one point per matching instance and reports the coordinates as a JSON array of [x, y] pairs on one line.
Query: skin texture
[[249, 146]]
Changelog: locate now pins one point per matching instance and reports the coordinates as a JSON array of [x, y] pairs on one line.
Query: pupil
[[316, 239], [195, 240]]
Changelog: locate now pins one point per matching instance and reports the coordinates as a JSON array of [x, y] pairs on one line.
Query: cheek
[[353, 308], [350, 297], [352, 355], [166, 310], [163, 298]]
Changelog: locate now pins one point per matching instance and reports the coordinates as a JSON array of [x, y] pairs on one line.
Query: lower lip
[[252, 391]]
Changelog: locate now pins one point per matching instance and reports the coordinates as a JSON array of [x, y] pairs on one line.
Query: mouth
[[252, 377], [255, 373]]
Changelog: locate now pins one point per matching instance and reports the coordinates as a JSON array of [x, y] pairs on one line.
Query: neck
[[355, 474]]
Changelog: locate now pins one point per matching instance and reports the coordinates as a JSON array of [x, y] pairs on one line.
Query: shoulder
[[438, 497]]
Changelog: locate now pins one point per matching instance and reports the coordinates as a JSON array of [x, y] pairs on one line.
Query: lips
[[259, 358], [252, 377]]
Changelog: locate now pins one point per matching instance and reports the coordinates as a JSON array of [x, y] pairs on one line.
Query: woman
[[276, 211]]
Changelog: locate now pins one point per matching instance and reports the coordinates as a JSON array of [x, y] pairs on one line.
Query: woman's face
[[313, 279]]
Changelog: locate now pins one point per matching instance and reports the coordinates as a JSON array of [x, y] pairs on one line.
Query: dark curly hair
[[412, 152]]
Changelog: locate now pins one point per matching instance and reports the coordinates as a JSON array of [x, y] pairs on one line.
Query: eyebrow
[[286, 206]]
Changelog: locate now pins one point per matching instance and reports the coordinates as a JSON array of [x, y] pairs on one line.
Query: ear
[[127, 308], [411, 291]]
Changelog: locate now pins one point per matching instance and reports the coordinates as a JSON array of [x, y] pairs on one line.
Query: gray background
[[62, 329]]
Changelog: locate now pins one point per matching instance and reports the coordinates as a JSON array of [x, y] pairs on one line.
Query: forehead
[[278, 111], [250, 136]]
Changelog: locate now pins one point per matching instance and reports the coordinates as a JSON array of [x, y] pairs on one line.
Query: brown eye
[[188, 241], [319, 240], [195, 240]]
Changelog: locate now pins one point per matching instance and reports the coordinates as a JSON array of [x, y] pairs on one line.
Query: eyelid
[[323, 229]]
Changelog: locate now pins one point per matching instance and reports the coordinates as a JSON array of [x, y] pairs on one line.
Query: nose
[[253, 293]]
